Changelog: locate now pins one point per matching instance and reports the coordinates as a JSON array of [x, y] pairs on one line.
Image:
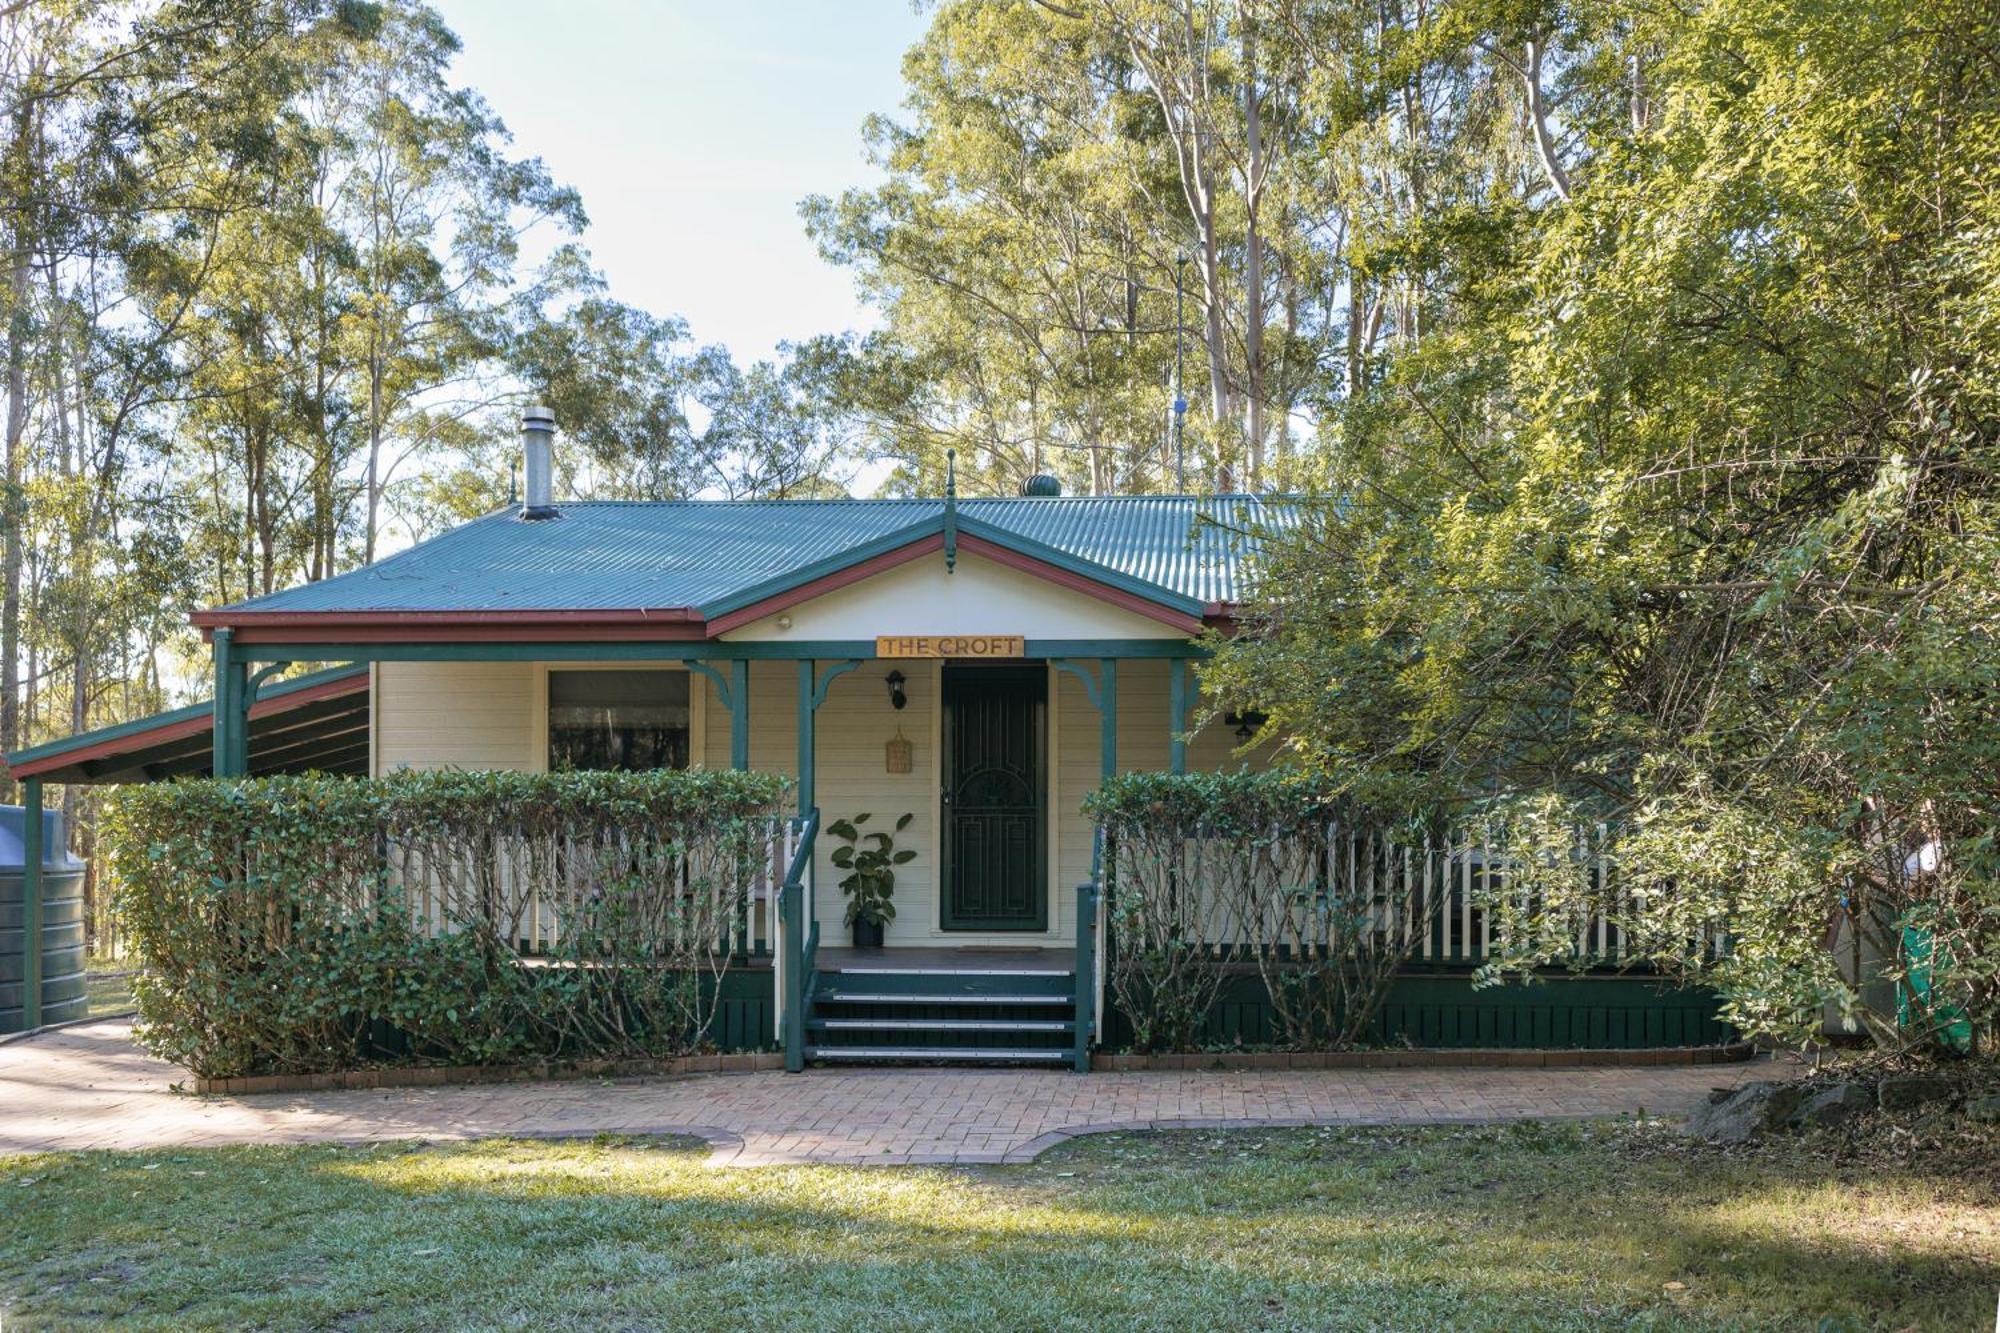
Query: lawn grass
[[1528, 1227], [107, 993]]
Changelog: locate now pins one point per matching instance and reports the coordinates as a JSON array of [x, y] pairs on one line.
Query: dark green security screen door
[[995, 766]]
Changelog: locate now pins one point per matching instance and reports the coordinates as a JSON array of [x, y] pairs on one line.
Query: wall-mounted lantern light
[[897, 699]]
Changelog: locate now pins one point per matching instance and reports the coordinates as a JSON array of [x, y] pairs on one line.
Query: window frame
[[697, 706]]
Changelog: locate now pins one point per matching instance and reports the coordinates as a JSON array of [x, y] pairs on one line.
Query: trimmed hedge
[[1270, 871], [312, 924]]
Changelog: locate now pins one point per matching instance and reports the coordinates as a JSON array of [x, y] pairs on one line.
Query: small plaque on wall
[[898, 754], [951, 645]]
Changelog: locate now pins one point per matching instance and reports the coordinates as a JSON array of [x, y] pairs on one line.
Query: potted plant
[[870, 860]]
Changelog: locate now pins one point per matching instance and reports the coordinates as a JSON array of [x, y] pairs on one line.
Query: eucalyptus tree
[[1030, 326], [435, 211], [110, 111], [779, 430], [1685, 516], [622, 383]]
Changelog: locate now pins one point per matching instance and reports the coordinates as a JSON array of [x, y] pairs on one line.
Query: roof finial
[[951, 511]]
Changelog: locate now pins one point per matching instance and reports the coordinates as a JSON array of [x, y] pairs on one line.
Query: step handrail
[[801, 944], [1083, 981]]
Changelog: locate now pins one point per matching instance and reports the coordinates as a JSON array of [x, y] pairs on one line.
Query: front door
[[995, 769]]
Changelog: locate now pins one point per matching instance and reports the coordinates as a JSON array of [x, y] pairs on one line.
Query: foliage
[[1209, 870], [1682, 512], [870, 859], [305, 924], [273, 286], [1089, 206]]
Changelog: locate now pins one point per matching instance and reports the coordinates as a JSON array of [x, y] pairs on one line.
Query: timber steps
[[876, 1009]]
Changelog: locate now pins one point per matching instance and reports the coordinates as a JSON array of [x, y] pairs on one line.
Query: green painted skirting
[[1556, 1013], [746, 1010]]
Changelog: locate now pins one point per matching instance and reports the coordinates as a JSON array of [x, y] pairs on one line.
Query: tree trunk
[[1253, 263], [374, 457], [1538, 120], [13, 510]]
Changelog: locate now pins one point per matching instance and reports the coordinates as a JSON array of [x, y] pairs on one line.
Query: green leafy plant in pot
[[870, 860]]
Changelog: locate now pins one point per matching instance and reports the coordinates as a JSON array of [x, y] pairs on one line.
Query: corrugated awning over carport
[[312, 723]]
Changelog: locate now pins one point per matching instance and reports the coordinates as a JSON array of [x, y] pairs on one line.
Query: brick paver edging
[[1441, 1057], [431, 1076], [91, 1087], [747, 1062]]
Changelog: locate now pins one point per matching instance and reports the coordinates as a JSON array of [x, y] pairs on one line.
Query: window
[[618, 719]]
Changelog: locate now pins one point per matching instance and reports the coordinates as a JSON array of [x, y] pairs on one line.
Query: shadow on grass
[[1473, 1229]]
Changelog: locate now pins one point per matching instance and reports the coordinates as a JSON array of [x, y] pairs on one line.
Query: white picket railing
[[526, 904], [1438, 899]]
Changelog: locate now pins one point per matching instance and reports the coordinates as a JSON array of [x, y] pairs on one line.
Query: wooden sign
[[898, 754], [951, 645]]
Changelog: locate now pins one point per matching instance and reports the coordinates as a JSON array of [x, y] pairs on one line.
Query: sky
[[693, 128]]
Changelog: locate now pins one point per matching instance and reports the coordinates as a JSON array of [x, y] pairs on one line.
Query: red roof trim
[[826, 583], [677, 624], [1083, 583], [449, 626], [467, 631], [133, 741], [224, 616]]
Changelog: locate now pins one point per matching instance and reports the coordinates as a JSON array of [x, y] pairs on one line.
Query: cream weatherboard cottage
[[979, 665]]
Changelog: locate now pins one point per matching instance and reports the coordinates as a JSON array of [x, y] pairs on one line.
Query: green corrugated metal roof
[[143, 734], [707, 554]]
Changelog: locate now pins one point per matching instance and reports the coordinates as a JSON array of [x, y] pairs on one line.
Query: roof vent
[[1041, 486], [538, 455]]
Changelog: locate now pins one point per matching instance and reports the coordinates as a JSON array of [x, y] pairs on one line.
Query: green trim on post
[[31, 904], [733, 692], [1179, 700], [262, 674], [801, 946], [220, 749], [791, 909], [813, 688], [1102, 691], [1107, 740], [1084, 980], [230, 757], [833, 673], [739, 714], [808, 737], [1077, 669], [720, 681]]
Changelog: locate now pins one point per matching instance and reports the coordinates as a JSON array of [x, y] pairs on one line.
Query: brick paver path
[[90, 1087]]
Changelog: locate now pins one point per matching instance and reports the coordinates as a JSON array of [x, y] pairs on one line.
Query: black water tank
[[63, 995]]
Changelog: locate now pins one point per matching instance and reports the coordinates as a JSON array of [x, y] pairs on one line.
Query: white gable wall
[[982, 597]]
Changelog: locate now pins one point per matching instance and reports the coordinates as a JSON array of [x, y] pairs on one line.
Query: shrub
[[305, 924], [1206, 870], [1783, 919]]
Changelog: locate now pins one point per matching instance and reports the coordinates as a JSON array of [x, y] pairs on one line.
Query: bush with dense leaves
[[308, 924], [1208, 871]]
